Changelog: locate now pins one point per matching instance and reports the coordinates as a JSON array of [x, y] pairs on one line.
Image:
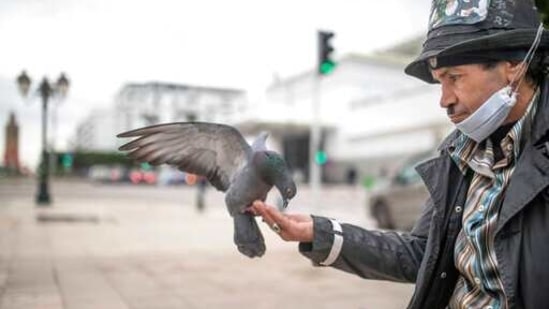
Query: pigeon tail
[[247, 235]]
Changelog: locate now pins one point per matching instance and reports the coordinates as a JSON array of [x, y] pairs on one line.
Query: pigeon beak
[[285, 203]]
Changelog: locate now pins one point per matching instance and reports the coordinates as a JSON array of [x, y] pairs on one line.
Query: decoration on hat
[[452, 12]]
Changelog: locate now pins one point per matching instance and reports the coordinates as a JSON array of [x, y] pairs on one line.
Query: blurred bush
[[80, 162]]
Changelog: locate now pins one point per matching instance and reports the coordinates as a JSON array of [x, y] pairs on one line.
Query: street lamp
[[45, 91]]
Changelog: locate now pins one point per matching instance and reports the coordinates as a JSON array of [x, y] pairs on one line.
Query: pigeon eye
[[289, 191]]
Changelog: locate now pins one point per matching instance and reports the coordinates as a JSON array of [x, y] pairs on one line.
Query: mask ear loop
[[529, 57]]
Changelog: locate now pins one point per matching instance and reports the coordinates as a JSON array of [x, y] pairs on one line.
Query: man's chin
[[455, 119]]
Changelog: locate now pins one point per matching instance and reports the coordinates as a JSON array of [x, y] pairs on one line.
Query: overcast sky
[[102, 44]]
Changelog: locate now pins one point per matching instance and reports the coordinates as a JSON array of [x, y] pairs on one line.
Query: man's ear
[[514, 70]]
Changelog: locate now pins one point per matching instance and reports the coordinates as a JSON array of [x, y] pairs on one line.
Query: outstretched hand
[[291, 227]]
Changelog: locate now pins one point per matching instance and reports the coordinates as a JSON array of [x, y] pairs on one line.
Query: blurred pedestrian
[[201, 185], [482, 240], [351, 176]]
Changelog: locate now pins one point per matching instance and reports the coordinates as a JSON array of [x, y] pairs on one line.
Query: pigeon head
[[273, 170]]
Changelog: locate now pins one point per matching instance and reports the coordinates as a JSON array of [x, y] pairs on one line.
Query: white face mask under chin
[[489, 116]]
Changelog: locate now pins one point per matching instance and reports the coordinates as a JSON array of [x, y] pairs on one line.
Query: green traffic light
[[327, 67], [67, 160], [321, 157], [146, 166]]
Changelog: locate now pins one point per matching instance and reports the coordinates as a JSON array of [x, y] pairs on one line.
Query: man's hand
[[291, 227]]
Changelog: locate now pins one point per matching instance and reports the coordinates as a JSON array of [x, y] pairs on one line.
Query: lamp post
[[45, 91]]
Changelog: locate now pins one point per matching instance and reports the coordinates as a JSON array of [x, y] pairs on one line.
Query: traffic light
[[325, 50], [67, 159], [321, 157], [145, 166]]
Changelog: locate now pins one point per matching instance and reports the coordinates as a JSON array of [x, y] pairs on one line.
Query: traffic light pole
[[315, 174], [325, 66]]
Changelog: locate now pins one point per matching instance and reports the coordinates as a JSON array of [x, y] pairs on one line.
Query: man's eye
[[454, 77]]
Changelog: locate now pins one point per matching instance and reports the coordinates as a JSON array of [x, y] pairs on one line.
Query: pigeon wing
[[213, 150]]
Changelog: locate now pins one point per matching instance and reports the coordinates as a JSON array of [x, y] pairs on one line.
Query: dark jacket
[[426, 254]]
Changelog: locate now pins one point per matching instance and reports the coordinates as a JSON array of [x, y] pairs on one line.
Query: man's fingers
[[260, 208], [252, 211], [299, 217], [278, 217], [296, 227], [271, 216]]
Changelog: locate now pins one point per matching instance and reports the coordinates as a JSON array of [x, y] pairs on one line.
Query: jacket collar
[[449, 141], [541, 121], [531, 175]]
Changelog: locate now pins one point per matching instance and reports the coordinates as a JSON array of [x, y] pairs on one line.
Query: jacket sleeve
[[371, 254]]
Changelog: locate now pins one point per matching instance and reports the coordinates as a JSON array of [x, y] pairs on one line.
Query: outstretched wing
[[213, 150]]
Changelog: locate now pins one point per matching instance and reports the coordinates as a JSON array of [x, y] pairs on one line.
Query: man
[[482, 240]]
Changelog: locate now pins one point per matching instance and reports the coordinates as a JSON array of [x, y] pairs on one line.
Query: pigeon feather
[[216, 151]]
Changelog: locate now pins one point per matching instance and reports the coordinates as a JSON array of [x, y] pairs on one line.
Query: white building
[[145, 104], [96, 132], [138, 105], [372, 116]]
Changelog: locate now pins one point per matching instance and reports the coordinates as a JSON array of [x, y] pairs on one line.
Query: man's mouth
[[454, 117]]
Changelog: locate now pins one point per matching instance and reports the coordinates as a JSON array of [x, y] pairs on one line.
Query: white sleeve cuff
[[336, 245]]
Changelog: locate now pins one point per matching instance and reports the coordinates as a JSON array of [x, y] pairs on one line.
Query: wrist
[[308, 232]]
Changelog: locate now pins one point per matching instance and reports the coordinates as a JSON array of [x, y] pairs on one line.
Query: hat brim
[[508, 40]]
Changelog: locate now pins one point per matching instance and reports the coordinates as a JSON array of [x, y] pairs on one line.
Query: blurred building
[[142, 104], [372, 115], [96, 132], [145, 104], [11, 151]]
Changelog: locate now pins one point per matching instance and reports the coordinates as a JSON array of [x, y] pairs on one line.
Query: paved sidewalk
[[139, 247]]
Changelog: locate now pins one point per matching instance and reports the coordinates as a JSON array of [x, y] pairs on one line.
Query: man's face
[[466, 87]]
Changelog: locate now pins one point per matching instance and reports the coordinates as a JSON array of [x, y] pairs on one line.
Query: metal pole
[[315, 175], [43, 197], [53, 139]]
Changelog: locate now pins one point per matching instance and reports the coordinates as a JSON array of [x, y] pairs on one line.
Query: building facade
[[371, 115], [137, 105]]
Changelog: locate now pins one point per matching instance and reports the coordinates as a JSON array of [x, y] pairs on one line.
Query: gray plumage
[[219, 152]]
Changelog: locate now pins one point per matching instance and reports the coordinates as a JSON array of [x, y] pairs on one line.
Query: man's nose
[[447, 97]]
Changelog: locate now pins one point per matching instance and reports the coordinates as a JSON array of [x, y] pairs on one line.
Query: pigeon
[[220, 153]]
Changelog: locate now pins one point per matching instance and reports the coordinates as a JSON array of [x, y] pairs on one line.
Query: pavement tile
[[148, 248], [84, 287], [31, 300]]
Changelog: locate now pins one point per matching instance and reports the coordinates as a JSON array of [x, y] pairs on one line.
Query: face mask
[[489, 116]]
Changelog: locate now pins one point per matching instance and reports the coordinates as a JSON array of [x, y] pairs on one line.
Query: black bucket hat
[[474, 31]]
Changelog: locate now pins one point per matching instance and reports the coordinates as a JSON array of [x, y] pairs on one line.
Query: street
[[122, 246]]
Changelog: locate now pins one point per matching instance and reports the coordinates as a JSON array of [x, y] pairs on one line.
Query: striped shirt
[[479, 284]]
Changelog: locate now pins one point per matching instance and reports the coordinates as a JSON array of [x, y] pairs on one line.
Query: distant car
[[100, 173], [168, 175], [140, 176], [398, 203]]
